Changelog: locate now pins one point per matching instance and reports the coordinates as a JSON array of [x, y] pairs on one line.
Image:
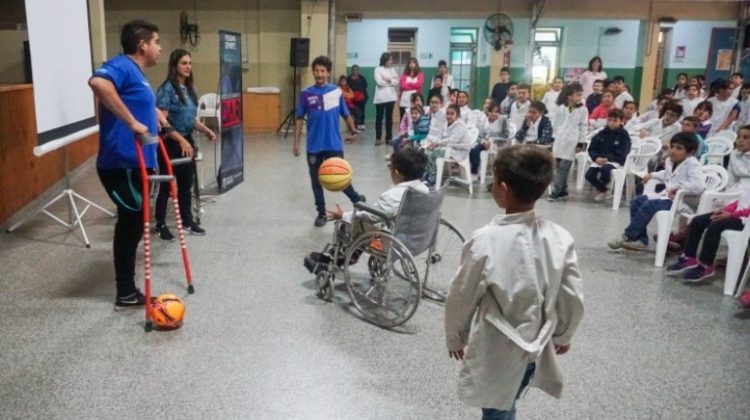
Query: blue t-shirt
[[181, 115], [116, 140], [323, 107]]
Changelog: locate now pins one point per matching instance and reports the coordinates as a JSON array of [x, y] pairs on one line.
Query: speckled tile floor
[[257, 344]]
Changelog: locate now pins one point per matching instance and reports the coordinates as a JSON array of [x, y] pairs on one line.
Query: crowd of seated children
[[725, 107], [570, 126], [620, 90], [680, 87], [682, 171], [608, 150], [419, 128], [699, 81], [598, 118], [550, 97], [520, 105], [415, 99], [509, 98], [630, 121], [455, 135], [500, 90], [666, 125], [655, 107], [595, 98], [536, 127], [690, 100], [493, 134]]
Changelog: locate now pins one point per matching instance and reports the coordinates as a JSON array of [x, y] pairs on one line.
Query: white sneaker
[[599, 197], [361, 127]]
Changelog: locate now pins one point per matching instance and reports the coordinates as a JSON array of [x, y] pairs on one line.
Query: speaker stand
[[288, 122]]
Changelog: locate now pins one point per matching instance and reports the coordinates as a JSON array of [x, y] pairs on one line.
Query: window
[[402, 45], [547, 43]]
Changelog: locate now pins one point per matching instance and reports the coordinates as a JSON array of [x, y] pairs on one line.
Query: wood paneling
[[261, 112], [23, 176]]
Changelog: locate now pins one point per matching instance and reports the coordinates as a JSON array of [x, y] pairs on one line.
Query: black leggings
[[702, 227], [184, 175], [387, 110], [124, 188]]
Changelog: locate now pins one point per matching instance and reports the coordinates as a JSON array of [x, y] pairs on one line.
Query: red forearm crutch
[[146, 179]]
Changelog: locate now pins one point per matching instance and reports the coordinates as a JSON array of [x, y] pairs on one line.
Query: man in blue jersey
[[323, 104], [127, 107]]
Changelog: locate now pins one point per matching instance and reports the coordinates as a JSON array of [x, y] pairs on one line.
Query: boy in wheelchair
[[407, 168]]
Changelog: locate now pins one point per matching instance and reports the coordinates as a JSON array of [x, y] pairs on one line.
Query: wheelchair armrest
[[360, 205]]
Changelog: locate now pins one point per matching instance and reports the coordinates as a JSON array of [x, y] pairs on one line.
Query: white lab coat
[[738, 169], [688, 177], [550, 99], [457, 137], [622, 98], [569, 129], [656, 128], [437, 124], [517, 294], [721, 111], [389, 201], [386, 91], [689, 105], [518, 112]]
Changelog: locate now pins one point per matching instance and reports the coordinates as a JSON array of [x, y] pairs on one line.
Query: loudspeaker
[[299, 52]]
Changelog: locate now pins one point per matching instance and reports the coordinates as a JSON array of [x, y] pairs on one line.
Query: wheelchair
[[389, 265]]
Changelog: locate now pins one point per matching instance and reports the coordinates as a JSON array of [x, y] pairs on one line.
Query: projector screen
[[61, 66]]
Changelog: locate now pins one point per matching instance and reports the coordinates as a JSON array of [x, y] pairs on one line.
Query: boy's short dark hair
[[691, 119], [626, 103], [673, 106], [720, 84], [409, 162], [539, 106], [616, 113], [442, 63], [688, 140], [599, 81], [134, 32], [706, 106], [505, 70], [511, 84], [414, 96], [438, 77], [322, 60], [524, 86], [462, 91], [742, 76], [618, 79], [435, 95], [526, 169]]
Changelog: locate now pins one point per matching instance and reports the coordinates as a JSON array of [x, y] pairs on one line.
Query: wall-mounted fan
[[498, 31], [188, 31]]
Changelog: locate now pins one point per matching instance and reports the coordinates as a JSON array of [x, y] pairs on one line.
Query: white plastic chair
[[716, 179], [718, 148], [583, 160], [636, 164], [208, 106], [729, 134], [464, 165], [736, 248], [746, 274], [486, 155]]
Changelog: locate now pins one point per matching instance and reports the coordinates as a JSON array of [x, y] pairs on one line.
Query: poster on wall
[[679, 54], [572, 74], [724, 60], [231, 170]]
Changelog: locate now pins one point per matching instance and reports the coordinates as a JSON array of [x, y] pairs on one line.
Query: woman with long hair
[[412, 80], [593, 73], [177, 99], [386, 83]]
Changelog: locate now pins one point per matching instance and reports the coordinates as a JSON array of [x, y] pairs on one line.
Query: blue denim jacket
[[181, 115]]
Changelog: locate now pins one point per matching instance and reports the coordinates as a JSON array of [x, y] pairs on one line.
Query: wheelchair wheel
[[442, 261], [324, 284], [386, 288]]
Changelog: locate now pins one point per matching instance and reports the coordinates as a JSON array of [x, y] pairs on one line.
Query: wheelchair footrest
[[316, 262]]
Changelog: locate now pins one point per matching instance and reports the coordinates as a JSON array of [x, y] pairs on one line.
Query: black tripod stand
[[288, 122]]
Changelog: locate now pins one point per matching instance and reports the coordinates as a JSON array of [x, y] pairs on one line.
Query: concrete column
[[650, 48], [313, 25], [98, 32]]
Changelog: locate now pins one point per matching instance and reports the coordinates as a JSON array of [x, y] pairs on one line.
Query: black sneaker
[[320, 220], [362, 198], [163, 232], [194, 229], [133, 300]]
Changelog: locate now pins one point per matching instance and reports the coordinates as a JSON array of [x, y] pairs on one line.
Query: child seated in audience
[[666, 126], [608, 150], [599, 117], [462, 100], [708, 227], [655, 107], [419, 127], [437, 87], [680, 87], [703, 112], [406, 122], [682, 171], [725, 107], [739, 161], [537, 127], [736, 80], [570, 127], [520, 272], [348, 95], [455, 135], [630, 118], [743, 117], [493, 134], [509, 98], [595, 98], [550, 97], [437, 116], [690, 125], [520, 106], [690, 101], [620, 90]]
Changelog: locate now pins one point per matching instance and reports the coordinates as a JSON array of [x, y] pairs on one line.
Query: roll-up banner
[[230, 90]]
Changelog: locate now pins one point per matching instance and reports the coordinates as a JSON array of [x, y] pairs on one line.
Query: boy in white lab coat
[[516, 299]]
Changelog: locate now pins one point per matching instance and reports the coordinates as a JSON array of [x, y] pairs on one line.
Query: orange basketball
[[168, 311], [335, 174]]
